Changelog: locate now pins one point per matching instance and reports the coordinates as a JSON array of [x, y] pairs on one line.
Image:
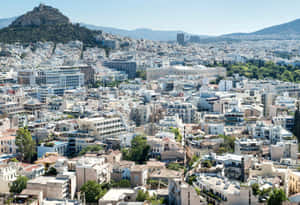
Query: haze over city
[[214, 17]]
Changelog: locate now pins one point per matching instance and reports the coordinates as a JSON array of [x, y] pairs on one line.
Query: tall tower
[[267, 101], [180, 38]]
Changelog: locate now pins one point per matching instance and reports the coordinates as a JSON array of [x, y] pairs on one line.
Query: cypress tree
[[296, 129]]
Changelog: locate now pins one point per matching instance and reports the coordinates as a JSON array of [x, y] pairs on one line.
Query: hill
[[290, 28], [141, 33], [39, 25], [6, 22], [45, 23], [285, 31]]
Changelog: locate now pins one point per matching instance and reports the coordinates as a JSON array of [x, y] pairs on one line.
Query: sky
[[206, 17]]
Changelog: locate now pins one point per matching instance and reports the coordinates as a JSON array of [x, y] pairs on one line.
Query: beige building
[[52, 187], [205, 72], [293, 183], [139, 175], [92, 168], [8, 173]]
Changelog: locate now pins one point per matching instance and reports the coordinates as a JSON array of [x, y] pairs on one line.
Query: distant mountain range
[[141, 33], [290, 30], [6, 22]]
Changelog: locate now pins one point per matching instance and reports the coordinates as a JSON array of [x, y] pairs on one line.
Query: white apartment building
[[8, 174], [271, 132], [287, 149], [103, 127]]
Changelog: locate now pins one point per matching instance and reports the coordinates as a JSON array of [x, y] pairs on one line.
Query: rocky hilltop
[[45, 23], [41, 15]]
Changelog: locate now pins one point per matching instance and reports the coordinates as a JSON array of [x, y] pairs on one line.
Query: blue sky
[[211, 17]]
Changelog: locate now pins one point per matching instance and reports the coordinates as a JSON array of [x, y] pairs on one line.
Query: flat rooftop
[[116, 194]]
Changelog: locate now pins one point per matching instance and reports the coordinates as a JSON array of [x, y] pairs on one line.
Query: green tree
[[174, 166], [191, 179], [296, 128], [142, 196], [141, 74], [25, 144], [206, 163], [14, 160], [124, 183], [194, 159], [91, 148], [18, 185], [51, 172], [139, 151], [227, 145], [93, 191], [178, 136], [255, 189], [277, 197]]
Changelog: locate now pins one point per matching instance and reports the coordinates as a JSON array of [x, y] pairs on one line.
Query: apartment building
[[63, 78], [7, 142], [286, 149], [8, 174], [128, 67], [52, 187], [247, 146], [56, 146], [92, 168], [102, 127], [185, 111], [204, 72]]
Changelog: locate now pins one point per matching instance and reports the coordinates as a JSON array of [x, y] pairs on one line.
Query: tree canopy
[[255, 69], [139, 151], [91, 148], [93, 191], [25, 144], [277, 197], [18, 185]]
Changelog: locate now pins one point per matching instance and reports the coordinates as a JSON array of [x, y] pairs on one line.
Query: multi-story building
[[287, 122], [271, 132], [185, 111], [180, 38], [293, 182], [287, 149], [235, 166], [247, 146], [88, 71], [56, 146], [102, 127], [7, 143], [8, 174], [267, 100], [140, 114], [139, 175], [201, 71], [27, 77], [234, 117], [62, 78], [52, 187], [92, 168], [123, 65]]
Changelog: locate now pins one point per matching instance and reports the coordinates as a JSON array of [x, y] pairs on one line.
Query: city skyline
[[215, 17]]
